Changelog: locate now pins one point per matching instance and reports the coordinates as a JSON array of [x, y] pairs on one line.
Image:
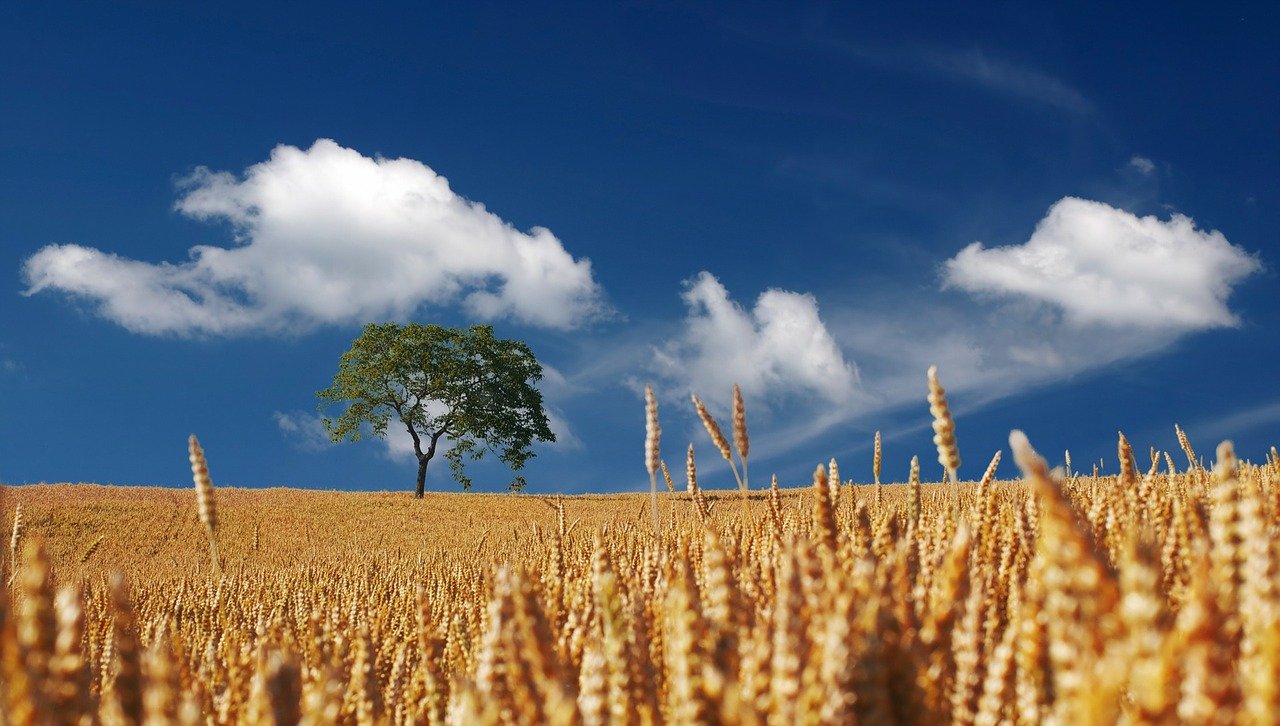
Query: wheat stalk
[[743, 444], [92, 548], [1185, 443], [740, 439], [717, 436], [944, 434], [666, 477], [206, 504], [1128, 467], [652, 433], [14, 540], [913, 484], [875, 462]]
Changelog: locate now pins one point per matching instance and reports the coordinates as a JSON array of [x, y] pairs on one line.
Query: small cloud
[[566, 440], [780, 348], [328, 236], [8, 364], [305, 430], [397, 446], [1142, 164], [1102, 266]]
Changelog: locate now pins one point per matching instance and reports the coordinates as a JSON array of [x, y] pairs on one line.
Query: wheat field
[[1056, 598]]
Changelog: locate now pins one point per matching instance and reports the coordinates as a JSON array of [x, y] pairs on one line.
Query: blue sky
[[1071, 211]]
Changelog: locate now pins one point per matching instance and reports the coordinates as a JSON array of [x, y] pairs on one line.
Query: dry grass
[[1048, 599]]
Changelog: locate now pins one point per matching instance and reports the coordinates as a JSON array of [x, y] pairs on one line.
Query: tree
[[462, 385]]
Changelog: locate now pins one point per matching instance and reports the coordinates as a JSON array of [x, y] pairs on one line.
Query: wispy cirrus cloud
[[998, 75], [1238, 422], [974, 67]]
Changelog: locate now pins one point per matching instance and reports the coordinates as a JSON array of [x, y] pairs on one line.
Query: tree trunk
[[423, 458], [422, 476]]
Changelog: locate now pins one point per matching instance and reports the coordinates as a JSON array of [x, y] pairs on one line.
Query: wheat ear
[[666, 476], [717, 436], [1185, 443], [14, 540], [690, 472], [206, 504], [740, 439], [652, 433], [875, 462], [1128, 467], [944, 434], [743, 444], [824, 514], [914, 491]]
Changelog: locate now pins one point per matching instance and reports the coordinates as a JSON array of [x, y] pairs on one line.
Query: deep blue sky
[[825, 166]]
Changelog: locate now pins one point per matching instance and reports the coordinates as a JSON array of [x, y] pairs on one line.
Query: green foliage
[[464, 385]]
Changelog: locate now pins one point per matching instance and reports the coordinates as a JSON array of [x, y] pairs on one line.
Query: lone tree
[[463, 385]]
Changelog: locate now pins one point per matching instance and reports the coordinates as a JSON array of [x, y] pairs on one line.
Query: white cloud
[[780, 348], [399, 447], [566, 440], [1142, 164], [1103, 266], [554, 388], [305, 430], [326, 235]]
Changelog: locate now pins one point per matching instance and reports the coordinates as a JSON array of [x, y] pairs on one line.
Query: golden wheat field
[[1057, 598]]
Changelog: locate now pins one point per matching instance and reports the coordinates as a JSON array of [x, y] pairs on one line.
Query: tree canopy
[[462, 385]]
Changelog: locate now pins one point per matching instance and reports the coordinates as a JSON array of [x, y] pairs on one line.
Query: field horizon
[[164, 520]]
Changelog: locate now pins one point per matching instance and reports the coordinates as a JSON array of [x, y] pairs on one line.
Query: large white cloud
[[780, 348], [326, 235], [1104, 266]]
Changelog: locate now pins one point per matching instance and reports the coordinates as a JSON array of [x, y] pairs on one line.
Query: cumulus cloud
[[326, 235], [1102, 266], [779, 348]]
